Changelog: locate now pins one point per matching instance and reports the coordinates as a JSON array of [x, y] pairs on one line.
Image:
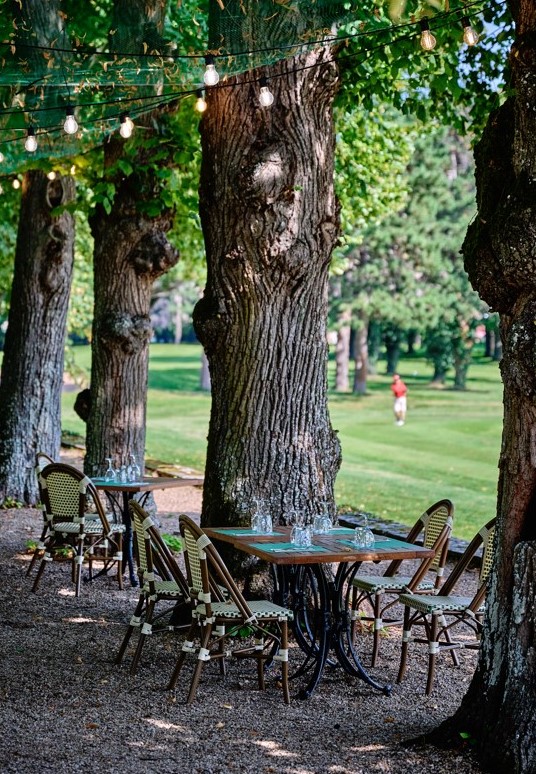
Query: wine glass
[[110, 472]]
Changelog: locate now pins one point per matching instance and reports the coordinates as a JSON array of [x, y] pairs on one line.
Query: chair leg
[[378, 626], [445, 631], [284, 662], [205, 639], [78, 560], [433, 648], [46, 558], [119, 555], [134, 624], [145, 631], [39, 549], [405, 644], [182, 655]]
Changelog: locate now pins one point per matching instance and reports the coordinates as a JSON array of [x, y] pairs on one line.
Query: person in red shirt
[[399, 390]]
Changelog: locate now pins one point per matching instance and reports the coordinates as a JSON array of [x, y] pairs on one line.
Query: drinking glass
[[136, 470], [110, 472]]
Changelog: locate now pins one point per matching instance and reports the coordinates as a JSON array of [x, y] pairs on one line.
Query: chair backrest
[[41, 461], [430, 525], [206, 570], [485, 537], [153, 553], [66, 492], [439, 546]]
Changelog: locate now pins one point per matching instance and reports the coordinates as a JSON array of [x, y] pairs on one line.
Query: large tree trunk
[[130, 251], [500, 707], [270, 220], [32, 368]]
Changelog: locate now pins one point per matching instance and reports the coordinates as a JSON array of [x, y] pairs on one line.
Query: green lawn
[[449, 446]]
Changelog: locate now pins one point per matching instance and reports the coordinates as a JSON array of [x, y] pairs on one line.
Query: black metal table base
[[322, 623]]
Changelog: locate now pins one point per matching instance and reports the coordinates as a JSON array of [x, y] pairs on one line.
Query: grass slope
[[449, 446]]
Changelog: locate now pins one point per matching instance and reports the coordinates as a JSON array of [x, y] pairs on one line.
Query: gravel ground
[[66, 707]]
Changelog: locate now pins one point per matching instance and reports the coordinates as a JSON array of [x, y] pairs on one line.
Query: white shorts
[[400, 405]]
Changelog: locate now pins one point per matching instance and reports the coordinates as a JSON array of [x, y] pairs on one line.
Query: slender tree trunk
[[130, 251], [270, 221], [342, 354], [361, 357], [500, 706], [32, 368], [374, 344]]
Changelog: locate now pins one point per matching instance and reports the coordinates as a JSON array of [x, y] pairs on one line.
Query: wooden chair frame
[[372, 589], [220, 611], [66, 492], [161, 580], [440, 614]]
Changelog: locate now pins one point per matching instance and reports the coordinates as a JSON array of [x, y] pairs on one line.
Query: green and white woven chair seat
[[164, 587], [439, 604], [375, 583], [91, 527], [260, 609]]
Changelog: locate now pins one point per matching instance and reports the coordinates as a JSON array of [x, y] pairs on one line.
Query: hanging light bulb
[[51, 175], [70, 126], [200, 103], [427, 39], [2, 157], [127, 126], [16, 183], [211, 76], [470, 37], [31, 140], [266, 98]]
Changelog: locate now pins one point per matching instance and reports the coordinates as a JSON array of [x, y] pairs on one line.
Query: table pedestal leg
[[128, 557]]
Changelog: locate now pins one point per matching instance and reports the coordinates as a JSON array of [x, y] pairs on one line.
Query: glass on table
[[261, 520], [109, 475], [363, 535]]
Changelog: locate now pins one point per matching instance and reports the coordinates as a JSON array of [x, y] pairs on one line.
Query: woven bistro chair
[[372, 590], [66, 492], [216, 619], [439, 614], [41, 461], [161, 580]]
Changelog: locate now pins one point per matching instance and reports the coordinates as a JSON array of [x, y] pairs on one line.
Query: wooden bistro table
[[119, 494], [306, 582]]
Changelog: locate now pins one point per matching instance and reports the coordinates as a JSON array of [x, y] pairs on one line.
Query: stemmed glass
[[110, 472]]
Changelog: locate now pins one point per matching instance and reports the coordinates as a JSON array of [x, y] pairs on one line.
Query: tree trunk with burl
[[270, 220], [32, 366], [131, 251], [500, 254]]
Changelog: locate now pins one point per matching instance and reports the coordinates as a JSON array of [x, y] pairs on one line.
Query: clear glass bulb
[[428, 41], [70, 126], [1, 157], [126, 128], [200, 104], [266, 98], [51, 175], [16, 183], [470, 37], [31, 142], [211, 76]]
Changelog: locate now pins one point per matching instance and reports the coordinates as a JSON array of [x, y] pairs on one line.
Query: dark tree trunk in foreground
[[131, 250], [270, 220], [500, 251], [32, 368]]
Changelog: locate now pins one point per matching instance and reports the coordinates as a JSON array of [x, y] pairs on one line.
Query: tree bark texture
[[500, 255], [130, 251], [270, 220], [32, 367]]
